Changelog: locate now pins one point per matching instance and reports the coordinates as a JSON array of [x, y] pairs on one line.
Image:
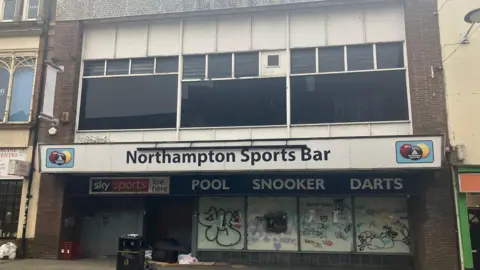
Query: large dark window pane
[[360, 57], [349, 97], [390, 55], [8, 10], [246, 64], [94, 68], [220, 66], [194, 67], [167, 64], [118, 67], [10, 198], [303, 61], [331, 59], [129, 102], [143, 66], [248, 102]]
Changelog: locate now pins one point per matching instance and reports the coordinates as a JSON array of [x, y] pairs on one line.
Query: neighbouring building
[[23, 31], [460, 40], [280, 132]]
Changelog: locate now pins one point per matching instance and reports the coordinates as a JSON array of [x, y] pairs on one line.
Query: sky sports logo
[[157, 185]]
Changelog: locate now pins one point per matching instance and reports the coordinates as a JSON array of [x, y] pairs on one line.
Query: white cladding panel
[[164, 38], [345, 26], [384, 23], [100, 42], [234, 33], [199, 35], [269, 31], [132, 41], [244, 32], [308, 28]]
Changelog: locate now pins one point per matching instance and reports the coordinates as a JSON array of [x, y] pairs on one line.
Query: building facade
[[23, 31], [302, 133], [460, 43]]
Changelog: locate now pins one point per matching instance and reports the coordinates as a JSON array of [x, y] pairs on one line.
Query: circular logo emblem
[[60, 158], [414, 152]]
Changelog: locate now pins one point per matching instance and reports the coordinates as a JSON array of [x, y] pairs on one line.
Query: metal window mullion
[[374, 48], [354, 224], [155, 65], [179, 81], [9, 88], [33, 89], [345, 58], [288, 62], [317, 61], [233, 66], [129, 66], [206, 66], [105, 68]]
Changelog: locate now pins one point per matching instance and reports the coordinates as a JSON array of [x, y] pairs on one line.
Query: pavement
[[57, 265], [31, 264]]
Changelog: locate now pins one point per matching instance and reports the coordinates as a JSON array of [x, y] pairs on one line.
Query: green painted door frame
[[463, 219]]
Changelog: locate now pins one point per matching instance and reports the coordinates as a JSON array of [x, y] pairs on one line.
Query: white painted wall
[[460, 63], [19, 43]]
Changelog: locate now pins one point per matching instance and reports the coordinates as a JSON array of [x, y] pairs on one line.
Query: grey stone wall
[[100, 9]]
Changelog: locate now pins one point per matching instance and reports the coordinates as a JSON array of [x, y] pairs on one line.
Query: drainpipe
[[36, 127]]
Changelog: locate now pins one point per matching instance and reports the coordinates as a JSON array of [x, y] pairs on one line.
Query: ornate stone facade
[[100, 9]]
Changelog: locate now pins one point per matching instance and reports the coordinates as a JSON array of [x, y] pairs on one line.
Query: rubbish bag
[[186, 259], [9, 251], [148, 254]]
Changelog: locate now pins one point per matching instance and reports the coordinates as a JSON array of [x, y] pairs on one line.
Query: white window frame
[[26, 7], [13, 66], [2, 9]]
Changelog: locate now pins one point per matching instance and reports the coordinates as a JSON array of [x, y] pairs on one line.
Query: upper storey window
[[12, 10], [17, 77]]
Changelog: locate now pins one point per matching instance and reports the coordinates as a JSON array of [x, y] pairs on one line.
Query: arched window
[[4, 79], [21, 95]]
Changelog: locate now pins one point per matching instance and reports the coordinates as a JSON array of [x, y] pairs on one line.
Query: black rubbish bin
[[130, 255]]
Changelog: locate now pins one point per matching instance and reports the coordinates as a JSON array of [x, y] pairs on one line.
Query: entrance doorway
[[474, 222]]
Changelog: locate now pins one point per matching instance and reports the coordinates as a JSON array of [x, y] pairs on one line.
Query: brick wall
[[66, 44], [433, 213]]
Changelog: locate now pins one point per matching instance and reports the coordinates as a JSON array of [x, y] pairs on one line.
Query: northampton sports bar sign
[[281, 155]]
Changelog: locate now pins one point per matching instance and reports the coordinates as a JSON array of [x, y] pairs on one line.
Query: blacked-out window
[[246, 102], [118, 67], [303, 61], [167, 64], [10, 197], [349, 97], [94, 68], [390, 55], [143, 66], [247, 64], [360, 57], [131, 102], [331, 59], [194, 67], [220, 65]]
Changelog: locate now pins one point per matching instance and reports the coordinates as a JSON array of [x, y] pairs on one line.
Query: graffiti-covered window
[[272, 223], [382, 225], [326, 224], [221, 223]]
